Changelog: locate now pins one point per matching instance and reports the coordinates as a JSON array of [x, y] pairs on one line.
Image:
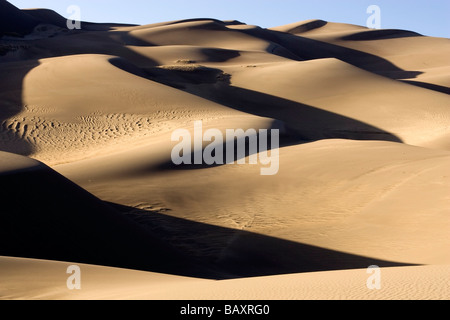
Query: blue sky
[[428, 17]]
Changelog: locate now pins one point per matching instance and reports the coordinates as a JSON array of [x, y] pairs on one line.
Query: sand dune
[[86, 118], [47, 280], [46, 216], [423, 57], [14, 21], [397, 112], [46, 16], [362, 190]]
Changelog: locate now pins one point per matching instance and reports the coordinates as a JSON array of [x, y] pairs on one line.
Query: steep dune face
[[363, 160], [15, 22], [46, 216], [423, 57], [46, 16]]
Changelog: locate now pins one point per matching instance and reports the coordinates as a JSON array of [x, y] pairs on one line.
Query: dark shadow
[[92, 38], [298, 123], [220, 55], [15, 22], [428, 86], [283, 44], [47, 16], [381, 35], [92, 42], [182, 71], [184, 75], [316, 24], [13, 131], [219, 24], [304, 122], [241, 253], [45, 216], [226, 23], [127, 66], [92, 26], [309, 49], [286, 138], [211, 20], [307, 122]]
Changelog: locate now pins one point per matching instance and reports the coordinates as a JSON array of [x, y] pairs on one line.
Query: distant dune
[[86, 119], [13, 21], [47, 16]]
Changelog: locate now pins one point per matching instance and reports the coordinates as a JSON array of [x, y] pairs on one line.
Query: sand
[[47, 281], [86, 119]]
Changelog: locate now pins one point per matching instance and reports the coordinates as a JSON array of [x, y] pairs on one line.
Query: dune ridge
[[48, 279]]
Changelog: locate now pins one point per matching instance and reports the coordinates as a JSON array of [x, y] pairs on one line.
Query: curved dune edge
[[391, 197], [47, 280], [12, 163]]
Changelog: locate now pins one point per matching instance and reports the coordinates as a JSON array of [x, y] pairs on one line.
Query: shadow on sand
[[69, 225], [237, 253]]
